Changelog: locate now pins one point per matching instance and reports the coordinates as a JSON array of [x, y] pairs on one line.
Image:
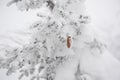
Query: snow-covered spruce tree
[[53, 38]]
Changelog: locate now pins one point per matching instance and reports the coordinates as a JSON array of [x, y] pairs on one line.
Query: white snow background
[[105, 17]]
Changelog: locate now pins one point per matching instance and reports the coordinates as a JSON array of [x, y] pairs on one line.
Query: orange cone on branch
[[68, 42]]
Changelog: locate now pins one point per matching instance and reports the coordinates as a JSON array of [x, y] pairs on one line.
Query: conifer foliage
[[46, 49]]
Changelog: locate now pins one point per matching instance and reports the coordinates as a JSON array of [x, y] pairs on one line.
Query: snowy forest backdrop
[[105, 17]]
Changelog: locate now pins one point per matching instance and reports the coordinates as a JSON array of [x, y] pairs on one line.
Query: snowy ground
[[105, 15]]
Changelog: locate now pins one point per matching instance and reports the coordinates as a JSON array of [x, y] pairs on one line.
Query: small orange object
[[68, 41]]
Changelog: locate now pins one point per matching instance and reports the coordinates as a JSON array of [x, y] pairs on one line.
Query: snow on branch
[[48, 44]]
